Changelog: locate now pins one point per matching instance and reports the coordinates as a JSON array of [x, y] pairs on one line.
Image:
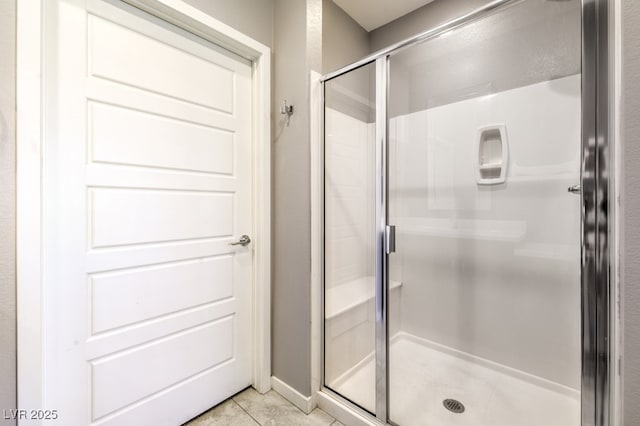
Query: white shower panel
[[492, 270], [349, 215], [349, 203]]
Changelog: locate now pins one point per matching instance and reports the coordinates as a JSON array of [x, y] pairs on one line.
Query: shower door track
[[596, 212]]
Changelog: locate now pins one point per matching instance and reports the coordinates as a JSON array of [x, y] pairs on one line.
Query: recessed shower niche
[[493, 155]]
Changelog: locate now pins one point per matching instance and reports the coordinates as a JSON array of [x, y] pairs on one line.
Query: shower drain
[[453, 405]]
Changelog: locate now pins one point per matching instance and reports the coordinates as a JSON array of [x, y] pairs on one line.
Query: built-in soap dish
[[492, 151]]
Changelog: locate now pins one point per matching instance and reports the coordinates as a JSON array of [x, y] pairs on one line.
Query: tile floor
[[250, 408]]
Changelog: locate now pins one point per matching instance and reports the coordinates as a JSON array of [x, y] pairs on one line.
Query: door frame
[[29, 140]]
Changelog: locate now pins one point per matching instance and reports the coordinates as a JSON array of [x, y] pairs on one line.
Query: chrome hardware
[[243, 241], [575, 189], [390, 239], [286, 109]]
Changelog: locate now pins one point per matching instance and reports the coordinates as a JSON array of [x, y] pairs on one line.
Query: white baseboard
[[305, 403]]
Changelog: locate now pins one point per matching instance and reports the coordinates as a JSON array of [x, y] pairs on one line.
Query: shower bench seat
[[345, 297]]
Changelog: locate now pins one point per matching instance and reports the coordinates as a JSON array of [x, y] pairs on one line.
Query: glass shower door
[[484, 136], [349, 237]]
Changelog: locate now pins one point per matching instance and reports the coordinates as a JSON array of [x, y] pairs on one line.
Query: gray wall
[[630, 210], [7, 208], [500, 52], [428, 16], [297, 41], [251, 17], [343, 40]]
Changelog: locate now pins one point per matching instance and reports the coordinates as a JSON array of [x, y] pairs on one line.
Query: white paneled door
[[147, 181]]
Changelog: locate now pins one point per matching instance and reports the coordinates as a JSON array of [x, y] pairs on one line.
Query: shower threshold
[[424, 374]]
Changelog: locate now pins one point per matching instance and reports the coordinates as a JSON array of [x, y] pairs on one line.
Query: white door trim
[[317, 232], [31, 330]]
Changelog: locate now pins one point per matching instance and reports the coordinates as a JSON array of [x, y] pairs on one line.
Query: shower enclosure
[[465, 222]]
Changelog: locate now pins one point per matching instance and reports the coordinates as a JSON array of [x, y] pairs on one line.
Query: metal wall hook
[[286, 109]]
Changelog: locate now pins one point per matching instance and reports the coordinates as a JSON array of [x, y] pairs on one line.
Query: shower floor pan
[[423, 375]]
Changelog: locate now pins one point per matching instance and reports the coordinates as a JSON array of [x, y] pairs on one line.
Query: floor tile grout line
[[288, 403], [248, 413], [301, 410], [262, 401]]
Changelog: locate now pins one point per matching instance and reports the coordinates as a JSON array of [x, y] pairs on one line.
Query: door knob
[[243, 241]]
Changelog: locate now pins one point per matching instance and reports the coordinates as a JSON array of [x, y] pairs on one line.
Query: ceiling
[[371, 14]]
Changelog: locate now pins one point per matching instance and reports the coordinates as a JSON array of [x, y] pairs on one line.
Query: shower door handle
[[390, 239]]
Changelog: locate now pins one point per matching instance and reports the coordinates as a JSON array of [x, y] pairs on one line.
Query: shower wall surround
[[492, 271]]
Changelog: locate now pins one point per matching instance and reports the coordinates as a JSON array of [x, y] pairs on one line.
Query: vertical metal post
[[596, 283], [382, 397], [321, 213]]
